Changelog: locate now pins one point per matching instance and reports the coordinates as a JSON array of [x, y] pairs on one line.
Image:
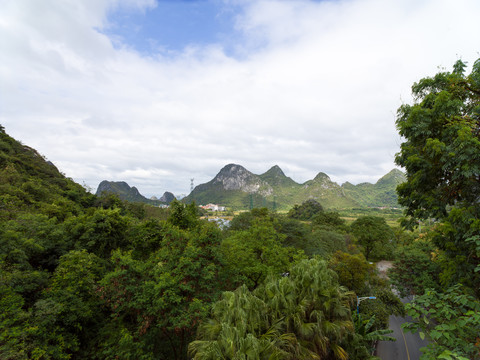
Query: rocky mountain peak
[[134, 191], [276, 177], [395, 177], [232, 170], [167, 197], [322, 177], [276, 171], [236, 187], [236, 177], [125, 192], [112, 186]]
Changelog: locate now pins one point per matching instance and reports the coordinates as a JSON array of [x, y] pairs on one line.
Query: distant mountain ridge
[[237, 188], [380, 194], [125, 192]]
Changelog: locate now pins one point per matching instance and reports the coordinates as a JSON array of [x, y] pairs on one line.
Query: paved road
[[407, 346]]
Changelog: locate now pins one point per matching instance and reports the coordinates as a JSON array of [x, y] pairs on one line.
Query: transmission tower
[[191, 184]]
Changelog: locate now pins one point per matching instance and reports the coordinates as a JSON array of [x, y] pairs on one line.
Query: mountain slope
[[233, 185], [125, 192], [380, 194], [31, 184], [236, 187], [277, 178], [328, 193]]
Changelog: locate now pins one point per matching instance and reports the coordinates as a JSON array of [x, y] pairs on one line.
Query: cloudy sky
[[156, 92]]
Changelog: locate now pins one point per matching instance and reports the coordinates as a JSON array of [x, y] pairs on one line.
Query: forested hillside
[[125, 192], [381, 194], [239, 189], [86, 277], [30, 184]]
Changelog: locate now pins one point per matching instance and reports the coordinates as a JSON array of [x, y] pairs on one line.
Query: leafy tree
[[33, 241], [404, 237], [458, 238], [183, 216], [374, 235], [441, 156], [414, 269], [244, 220], [100, 231], [385, 304], [450, 320], [329, 220], [252, 254], [13, 318], [146, 237], [353, 270], [69, 307], [306, 210], [355, 273], [109, 200], [360, 344], [158, 300], [302, 316], [295, 231], [325, 242]]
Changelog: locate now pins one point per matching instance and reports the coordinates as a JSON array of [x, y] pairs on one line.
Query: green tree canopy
[[302, 316], [441, 151], [374, 235], [183, 216], [414, 271], [352, 270], [451, 321], [329, 220], [441, 156], [157, 301], [306, 211], [245, 219], [252, 254]]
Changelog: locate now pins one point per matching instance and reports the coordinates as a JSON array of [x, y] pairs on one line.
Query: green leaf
[[445, 356]]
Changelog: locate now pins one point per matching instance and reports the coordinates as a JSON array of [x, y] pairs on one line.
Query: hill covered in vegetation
[[236, 187], [87, 277], [125, 192], [29, 184]]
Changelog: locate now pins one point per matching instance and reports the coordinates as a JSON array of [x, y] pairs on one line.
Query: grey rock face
[[236, 177], [167, 197], [112, 186]]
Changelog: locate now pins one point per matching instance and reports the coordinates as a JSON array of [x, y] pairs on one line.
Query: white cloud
[[315, 87]]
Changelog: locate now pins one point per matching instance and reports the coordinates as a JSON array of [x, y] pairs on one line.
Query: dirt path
[[383, 266]]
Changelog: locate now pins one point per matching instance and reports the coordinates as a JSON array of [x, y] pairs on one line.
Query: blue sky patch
[[173, 25]]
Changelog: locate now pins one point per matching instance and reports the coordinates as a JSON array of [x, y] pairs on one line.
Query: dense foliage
[[305, 315], [306, 211], [375, 236], [451, 319], [415, 269], [441, 155], [86, 277]]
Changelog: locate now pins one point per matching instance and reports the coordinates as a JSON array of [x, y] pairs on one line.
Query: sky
[[157, 92]]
